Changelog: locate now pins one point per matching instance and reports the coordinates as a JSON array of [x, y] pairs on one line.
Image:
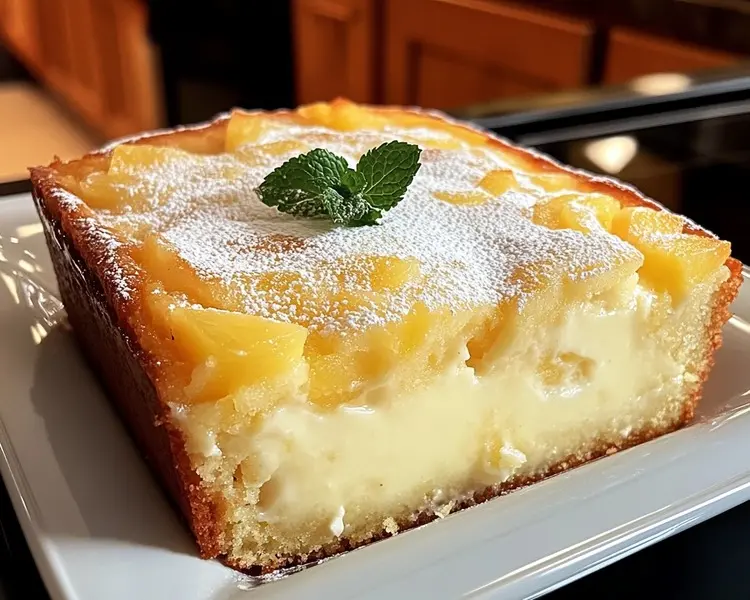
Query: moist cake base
[[596, 451]]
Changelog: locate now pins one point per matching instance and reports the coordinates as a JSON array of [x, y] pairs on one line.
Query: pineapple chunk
[[499, 181], [132, 158], [468, 198], [584, 212], [555, 182], [112, 190], [375, 273], [601, 274], [389, 273], [411, 349], [633, 223], [100, 191], [231, 351], [446, 143], [673, 261], [342, 115], [581, 212], [133, 181], [678, 264], [244, 129], [174, 274]]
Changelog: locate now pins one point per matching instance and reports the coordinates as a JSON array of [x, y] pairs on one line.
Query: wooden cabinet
[[335, 49], [18, 28], [448, 53], [435, 53], [94, 54], [127, 69], [632, 54]]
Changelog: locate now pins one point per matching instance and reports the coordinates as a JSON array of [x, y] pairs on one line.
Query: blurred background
[[656, 92]]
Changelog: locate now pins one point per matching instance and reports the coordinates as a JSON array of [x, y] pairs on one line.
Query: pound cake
[[328, 325]]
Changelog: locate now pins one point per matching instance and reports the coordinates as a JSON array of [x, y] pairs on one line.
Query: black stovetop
[[689, 151]]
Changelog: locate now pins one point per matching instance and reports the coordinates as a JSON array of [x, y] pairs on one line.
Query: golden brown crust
[[101, 314], [101, 323]]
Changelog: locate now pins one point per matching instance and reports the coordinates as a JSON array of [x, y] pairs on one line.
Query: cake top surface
[[469, 231]]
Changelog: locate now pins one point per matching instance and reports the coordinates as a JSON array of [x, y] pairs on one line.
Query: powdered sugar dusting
[[204, 209], [106, 248]]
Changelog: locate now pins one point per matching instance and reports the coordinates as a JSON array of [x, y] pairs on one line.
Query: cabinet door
[[67, 58], [126, 68], [633, 54], [335, 50], [18, 27], [449, 53], [83, 81]]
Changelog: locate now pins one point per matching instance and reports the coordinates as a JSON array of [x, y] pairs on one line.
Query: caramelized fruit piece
[[175, 276], [129, 159], [232, 350], [468, 198], [410, 350], [673, 261], [582, 212], [114, 189], [679, 264], [389, 273], [244, 128], [499, 181], [134, 180], [342, 115], [600, 274], [555, 182], [633, 223], [100, 191], [446, 143]]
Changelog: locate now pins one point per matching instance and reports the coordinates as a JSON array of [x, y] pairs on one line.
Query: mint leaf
[[389, 170], [346, 210], [353, 181], [297, 186], [321, 183]]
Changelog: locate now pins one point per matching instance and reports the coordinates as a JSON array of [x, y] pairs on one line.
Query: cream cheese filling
[[611, 366]]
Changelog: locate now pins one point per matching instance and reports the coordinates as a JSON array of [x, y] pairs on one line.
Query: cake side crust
[[112, 349]]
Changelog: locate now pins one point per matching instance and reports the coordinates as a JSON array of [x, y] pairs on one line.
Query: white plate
[[99, 527]]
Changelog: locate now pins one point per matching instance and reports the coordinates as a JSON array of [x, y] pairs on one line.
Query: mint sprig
[[320, 183]]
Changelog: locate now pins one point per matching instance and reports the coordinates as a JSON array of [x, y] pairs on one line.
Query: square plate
[[99, 527]]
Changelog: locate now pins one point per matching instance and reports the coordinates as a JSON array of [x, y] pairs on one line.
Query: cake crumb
[[390, 526], [337, 524]]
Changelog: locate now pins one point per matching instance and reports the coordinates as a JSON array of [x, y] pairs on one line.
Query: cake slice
[[313, 355]]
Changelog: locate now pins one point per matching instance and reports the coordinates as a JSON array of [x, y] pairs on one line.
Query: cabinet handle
[[335, 10]]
